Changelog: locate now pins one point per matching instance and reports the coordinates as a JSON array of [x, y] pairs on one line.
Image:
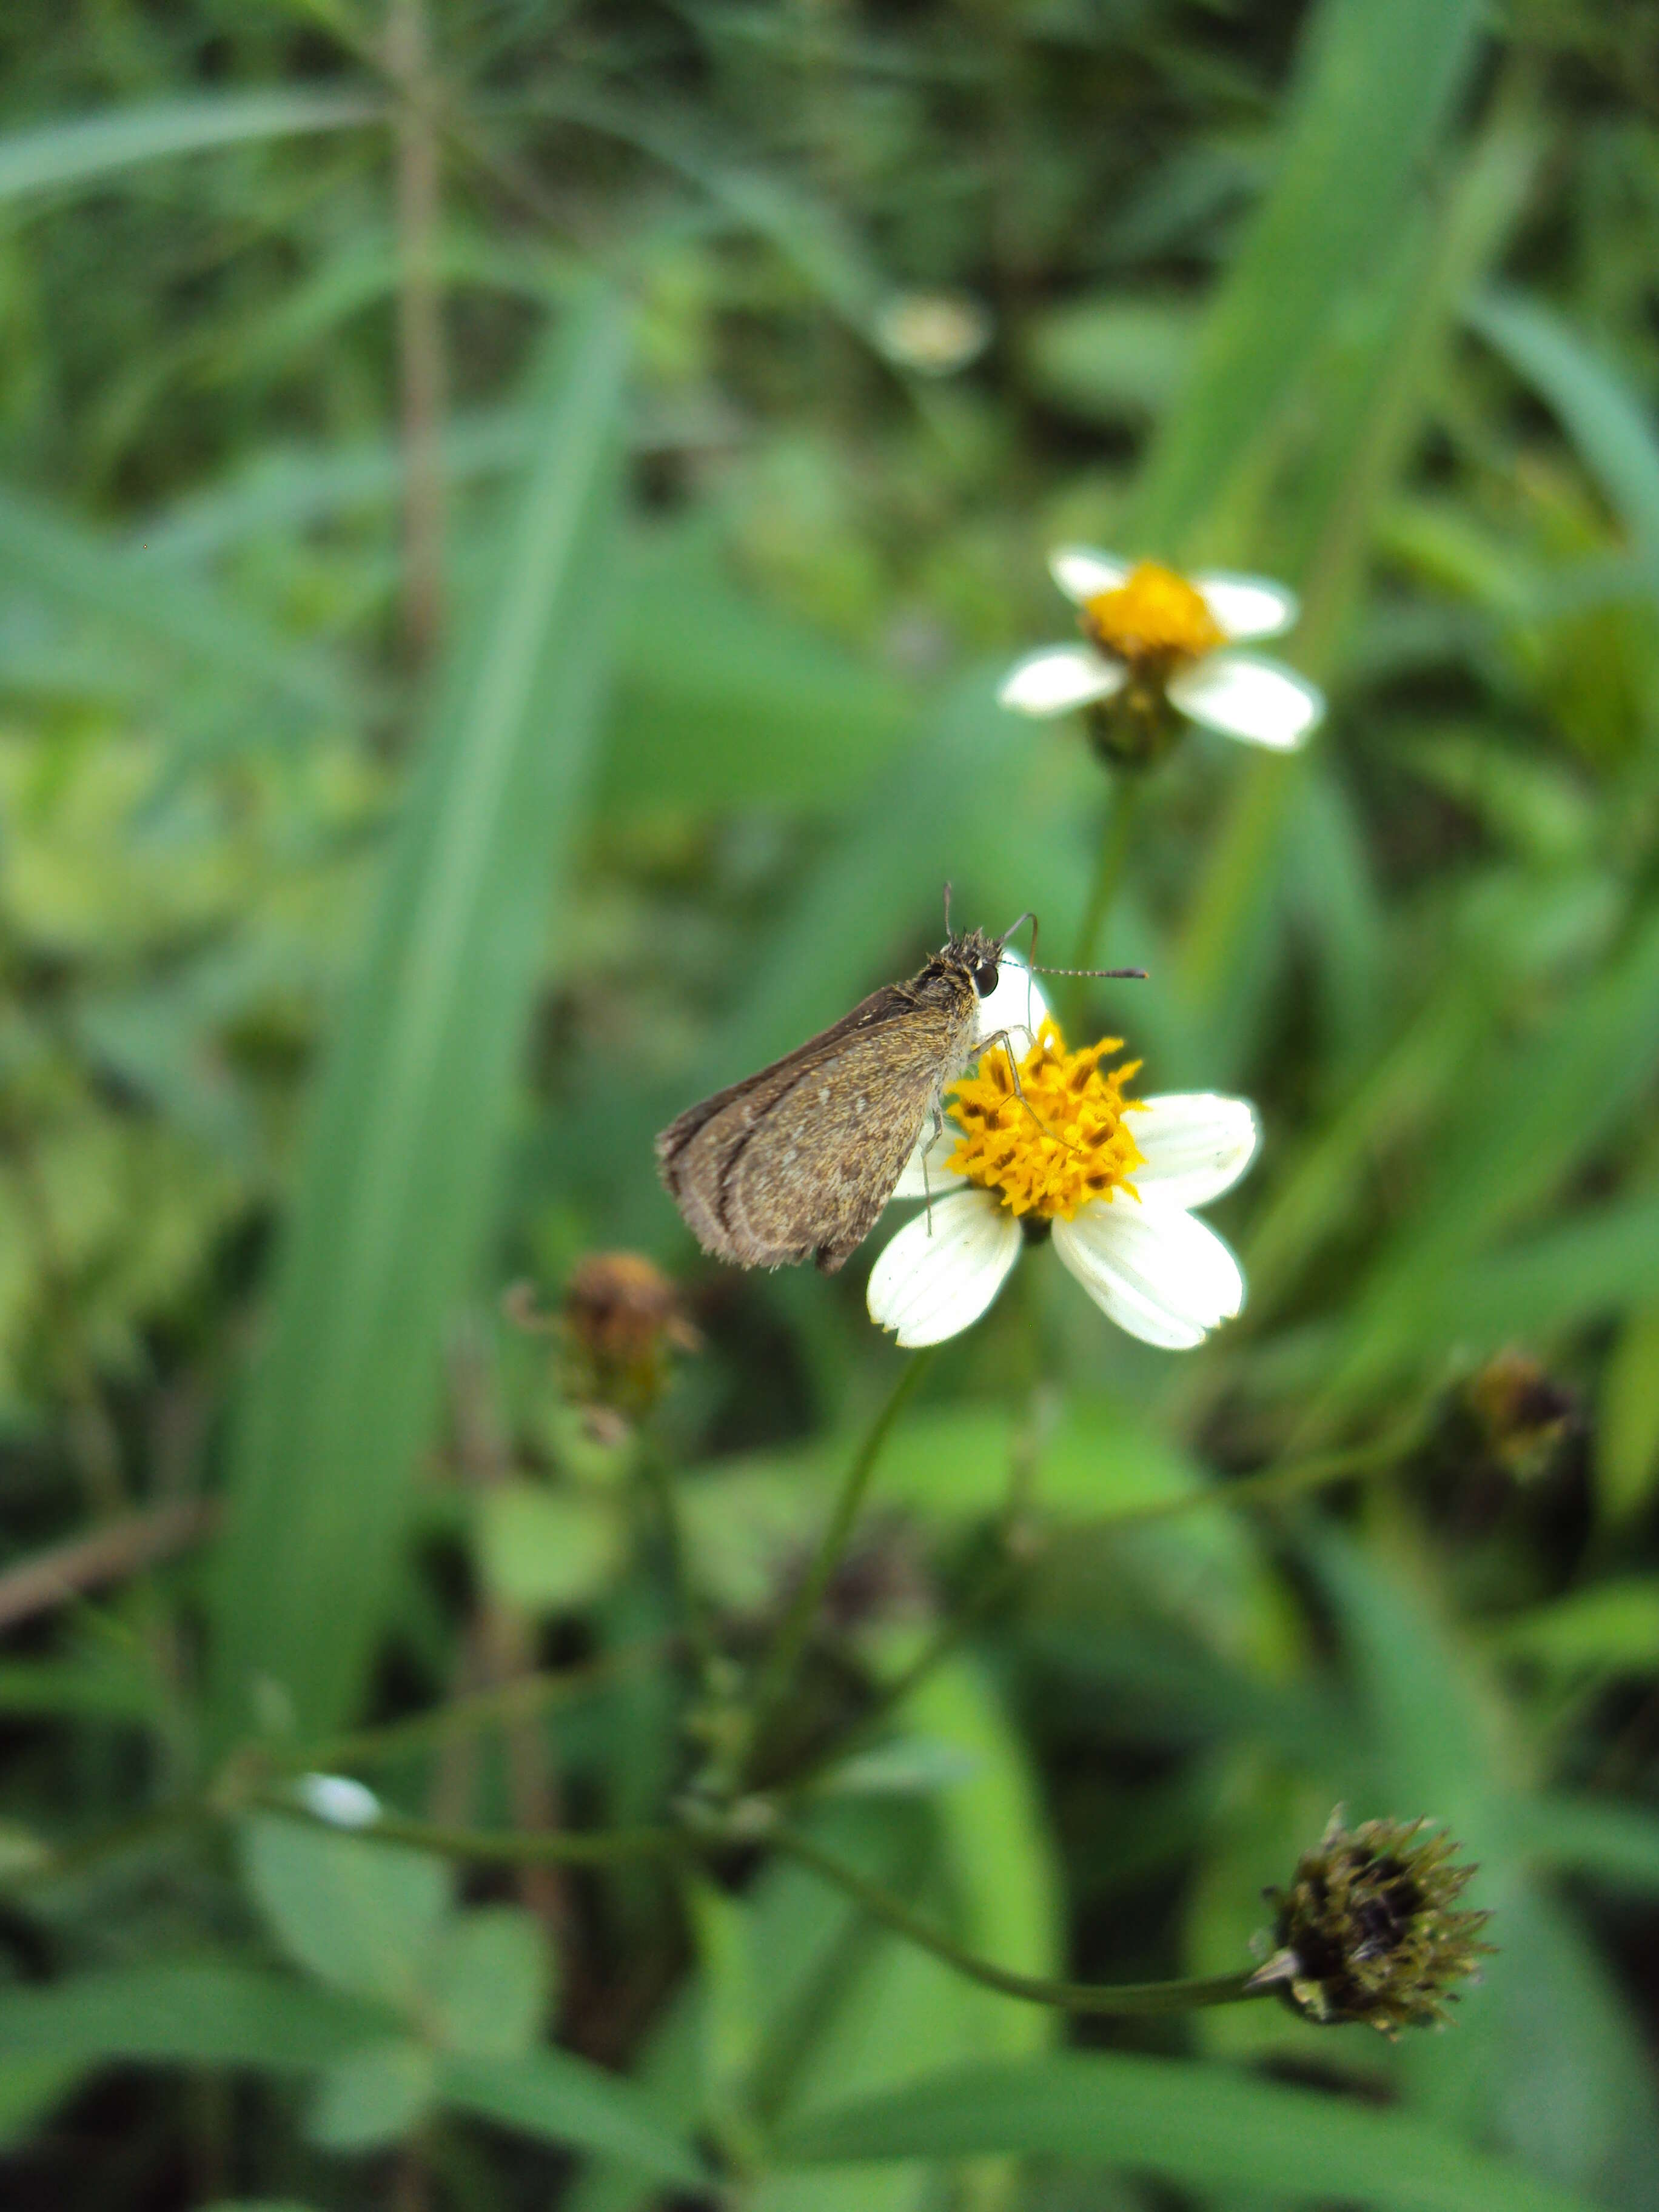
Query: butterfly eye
[[985, 978]]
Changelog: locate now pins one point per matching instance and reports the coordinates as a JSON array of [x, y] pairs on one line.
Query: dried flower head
[[1371, 1929], [620, 1320], [1522, 1416]]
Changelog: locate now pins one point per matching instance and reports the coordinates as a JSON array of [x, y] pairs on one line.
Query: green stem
[[693, 1620], [498, 1846], [505, 1706], [1124, 1999], [1273, 1483], [1266, 1488], [787, 1645], [1109, 865]]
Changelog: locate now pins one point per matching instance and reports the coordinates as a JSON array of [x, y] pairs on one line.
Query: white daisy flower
[[1066, 1159], [1157, 641]]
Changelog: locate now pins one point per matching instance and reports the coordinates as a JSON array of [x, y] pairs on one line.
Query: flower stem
[[790, 1641], [1114, 843], [499, 1846], [1125, 1999], [505, 1705], [693, 1620]]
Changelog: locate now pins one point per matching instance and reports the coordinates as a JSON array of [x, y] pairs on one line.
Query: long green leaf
[[1609, 1843], [1197, 2127], [211, 2014], [65, 559], [396, 1190], [1597, 408], [564, 2099], [1378, 78], [59, 156]]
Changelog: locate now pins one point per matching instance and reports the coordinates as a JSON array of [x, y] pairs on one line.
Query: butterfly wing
[[799, 1160]]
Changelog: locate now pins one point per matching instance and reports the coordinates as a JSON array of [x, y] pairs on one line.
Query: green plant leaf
[[489, 1982], [58, 156], [544, 1550], [372, 2097], [209, 2014], [1190, 2126], [362, 1916], [562, 2099], [1612, 1843], [1605, 1628], [1627, 1434], [398, 1174], [1376, 81], [1598, 411], [67, 560], [1111, 359]]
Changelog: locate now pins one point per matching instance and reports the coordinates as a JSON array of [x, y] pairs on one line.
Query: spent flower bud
[[1521, 1416], [620, 1319], [1372, 1929]]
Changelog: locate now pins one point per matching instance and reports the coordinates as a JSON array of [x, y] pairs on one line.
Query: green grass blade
[[210, 2015], [59, 156], [65, 560], [1194, 2127], [395, 1192], [564, 2099], [1378, 80], [1597, 408], [1612, 1845]]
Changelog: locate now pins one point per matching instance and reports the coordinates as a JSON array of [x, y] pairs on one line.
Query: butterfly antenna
[[947, 906], [1137, 975]]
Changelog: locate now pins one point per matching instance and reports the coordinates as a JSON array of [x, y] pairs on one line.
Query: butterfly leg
[[1001, 1037], [926, 1191]]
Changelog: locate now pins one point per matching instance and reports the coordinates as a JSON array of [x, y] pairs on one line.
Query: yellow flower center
[[1062, 1143], [1155, 616]]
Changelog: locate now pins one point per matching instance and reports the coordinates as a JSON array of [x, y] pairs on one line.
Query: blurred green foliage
[[350, 958]]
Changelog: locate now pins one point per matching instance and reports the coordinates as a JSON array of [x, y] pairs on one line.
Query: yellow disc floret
[[1060, 1140], [1154, 615]]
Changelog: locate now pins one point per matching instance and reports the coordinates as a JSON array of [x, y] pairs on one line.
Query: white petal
[[1157, 1271], [1058, 677], [1017, 1004], [1196, 1146], [1256, 699], [943, 1269], [935, 1151], [338, 1800], [1082, 574], [1248, 606]]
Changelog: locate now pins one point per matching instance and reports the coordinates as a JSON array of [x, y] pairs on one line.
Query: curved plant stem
[[1265, 1489], [797, 1624], [1125, 1998]]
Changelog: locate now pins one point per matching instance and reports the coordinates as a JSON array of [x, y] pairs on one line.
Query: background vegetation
[[498, 628]]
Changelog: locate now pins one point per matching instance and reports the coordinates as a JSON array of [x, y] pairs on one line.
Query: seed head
[[1371, 1929], [1521, 1416], [620, 1318]]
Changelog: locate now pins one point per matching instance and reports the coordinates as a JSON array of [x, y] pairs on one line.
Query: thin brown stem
[[109, 1555], [503, 1706], [420, 323], [500, 1642]]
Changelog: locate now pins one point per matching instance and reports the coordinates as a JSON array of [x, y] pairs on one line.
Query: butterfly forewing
[[798, 1161]]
